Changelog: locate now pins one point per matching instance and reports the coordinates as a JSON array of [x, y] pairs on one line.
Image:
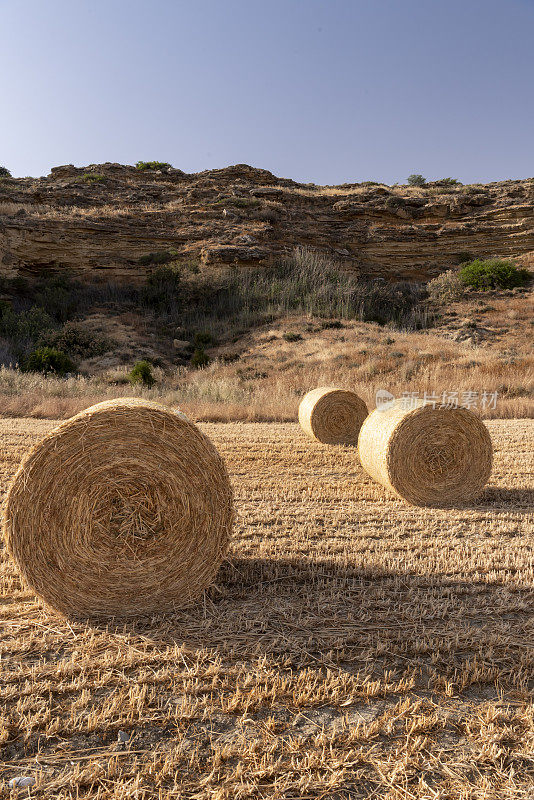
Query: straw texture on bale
[[427, 456], [124, 509], [332, 415]]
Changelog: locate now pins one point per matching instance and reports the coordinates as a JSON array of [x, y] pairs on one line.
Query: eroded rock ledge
[[100, 221]]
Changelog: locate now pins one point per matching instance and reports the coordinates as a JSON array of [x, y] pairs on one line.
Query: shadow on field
[[305, 613], [511, 499]]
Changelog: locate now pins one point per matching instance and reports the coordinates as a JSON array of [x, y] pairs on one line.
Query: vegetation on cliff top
[[144, 165]]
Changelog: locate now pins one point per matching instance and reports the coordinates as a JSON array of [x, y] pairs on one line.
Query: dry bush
[[446, 288]]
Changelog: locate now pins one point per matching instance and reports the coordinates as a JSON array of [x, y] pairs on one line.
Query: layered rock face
[[103, 221]]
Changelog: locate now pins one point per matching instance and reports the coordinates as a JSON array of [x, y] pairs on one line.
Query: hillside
[[99, 221], [111, 264]]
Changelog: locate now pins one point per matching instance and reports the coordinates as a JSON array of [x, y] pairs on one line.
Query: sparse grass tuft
[[92, 177]]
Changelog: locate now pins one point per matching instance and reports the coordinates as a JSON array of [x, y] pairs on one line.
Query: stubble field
[[352, 646]]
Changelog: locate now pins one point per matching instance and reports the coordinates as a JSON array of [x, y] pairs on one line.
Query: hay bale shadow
[[319, 613]]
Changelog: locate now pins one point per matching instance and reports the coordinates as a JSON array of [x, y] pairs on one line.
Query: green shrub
[[77, 341], [161, 289], [416, 180], [4, 172], [292, 337], [493, 274], [143, 165], [445, 288], [450, 182], [203, 339], [24, 326], [464, 256], [48, 360], [60, 296], [200, 358], [92, 177], [142, 373]]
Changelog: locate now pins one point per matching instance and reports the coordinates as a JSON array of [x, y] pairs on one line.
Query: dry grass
[[270, 375], [106, 210], [365, 188], [353, 647]]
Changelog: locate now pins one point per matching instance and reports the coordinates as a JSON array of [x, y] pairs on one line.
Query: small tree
[[142, 373], [200, 358], [416, 180], [203, 339], [162, 288], [4, 172], [49, 360]]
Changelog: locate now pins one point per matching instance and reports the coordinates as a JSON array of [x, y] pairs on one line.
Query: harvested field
[[353, 646]]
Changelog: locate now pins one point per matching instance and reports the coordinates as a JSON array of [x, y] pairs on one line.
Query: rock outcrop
[[103, 222]]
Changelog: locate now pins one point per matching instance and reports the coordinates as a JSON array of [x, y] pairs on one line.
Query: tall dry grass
[[267, 382]]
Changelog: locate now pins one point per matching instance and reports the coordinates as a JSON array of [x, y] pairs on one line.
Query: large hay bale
[[332, 415], [427, 456], [124, 509]]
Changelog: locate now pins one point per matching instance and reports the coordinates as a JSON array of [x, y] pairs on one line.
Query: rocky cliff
[[104, 221]]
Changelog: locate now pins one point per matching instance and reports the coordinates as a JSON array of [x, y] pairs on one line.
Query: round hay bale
[[332, 415], [124, 509], [427, 456]]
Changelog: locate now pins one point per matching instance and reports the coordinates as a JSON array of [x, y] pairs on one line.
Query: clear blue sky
[[325, 91]]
